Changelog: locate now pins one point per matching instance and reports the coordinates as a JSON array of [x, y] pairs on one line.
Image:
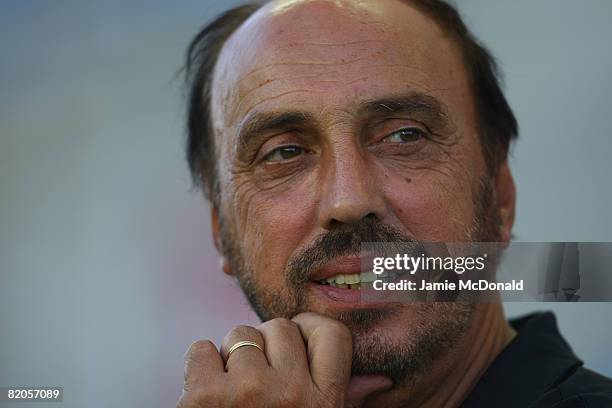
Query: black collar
[[537, 359]]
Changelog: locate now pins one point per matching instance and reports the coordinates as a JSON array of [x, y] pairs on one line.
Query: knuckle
[[200, 349], [281, 324], [238, 330]]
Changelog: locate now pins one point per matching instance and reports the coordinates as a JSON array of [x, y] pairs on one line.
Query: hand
[[306, 362]]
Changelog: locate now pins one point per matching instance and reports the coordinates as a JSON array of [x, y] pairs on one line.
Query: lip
[[336, 294], [345, 265], [338, 299]]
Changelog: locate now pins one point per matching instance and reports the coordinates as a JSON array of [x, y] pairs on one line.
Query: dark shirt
[[538, 369]]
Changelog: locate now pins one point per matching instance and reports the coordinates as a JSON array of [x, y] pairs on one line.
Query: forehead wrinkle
[[236, 110], [270, 82], [341, 62], [268, 74], [424, 84], [288, 62], [334, 44], [276, 78]]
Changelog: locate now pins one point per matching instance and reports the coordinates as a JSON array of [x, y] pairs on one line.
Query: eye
[[283, 153], [405, 135]]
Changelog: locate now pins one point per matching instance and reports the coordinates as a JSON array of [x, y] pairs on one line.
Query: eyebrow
[[415, 103], [260, 123]]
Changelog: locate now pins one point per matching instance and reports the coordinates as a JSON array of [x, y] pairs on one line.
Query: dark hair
[[497, 125], [200, 63]]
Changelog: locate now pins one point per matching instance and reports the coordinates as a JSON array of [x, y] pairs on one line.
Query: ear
[[216, 231], [506, 200]]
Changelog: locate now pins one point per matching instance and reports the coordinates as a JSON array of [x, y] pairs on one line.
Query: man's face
[[338, 122]]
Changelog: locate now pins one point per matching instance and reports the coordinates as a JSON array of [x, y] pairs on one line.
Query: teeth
[[352, 279], [356, 281], [355, 278]]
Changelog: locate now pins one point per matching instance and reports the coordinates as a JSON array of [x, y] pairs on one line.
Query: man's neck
[[455, 374]]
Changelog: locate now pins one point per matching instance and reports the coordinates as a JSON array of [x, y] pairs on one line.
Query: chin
[[405, 341]]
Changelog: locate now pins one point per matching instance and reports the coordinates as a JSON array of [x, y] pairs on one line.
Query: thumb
[[361, 387]]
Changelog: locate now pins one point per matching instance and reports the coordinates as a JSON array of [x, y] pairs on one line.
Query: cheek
[[432, 206], [272, 226]]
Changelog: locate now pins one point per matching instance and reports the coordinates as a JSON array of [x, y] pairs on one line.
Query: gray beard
[[437, 327]]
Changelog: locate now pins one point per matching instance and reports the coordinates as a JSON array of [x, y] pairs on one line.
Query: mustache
[[347, 240]]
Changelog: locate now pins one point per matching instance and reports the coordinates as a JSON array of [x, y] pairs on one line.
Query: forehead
[[323, 54]]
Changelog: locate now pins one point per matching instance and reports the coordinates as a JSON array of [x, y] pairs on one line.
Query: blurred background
[[107, 269]]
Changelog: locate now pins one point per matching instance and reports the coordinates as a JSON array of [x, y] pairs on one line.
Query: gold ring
[[242, 344]]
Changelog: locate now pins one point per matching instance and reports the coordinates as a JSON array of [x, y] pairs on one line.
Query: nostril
[[335, 223]]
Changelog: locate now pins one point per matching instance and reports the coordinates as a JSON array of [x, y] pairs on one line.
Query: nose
[[350, 192]]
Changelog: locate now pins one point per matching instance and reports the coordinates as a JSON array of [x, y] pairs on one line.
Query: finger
[[202, 363], [247, 357], [362, 387], [285, 346], [329, 348]]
